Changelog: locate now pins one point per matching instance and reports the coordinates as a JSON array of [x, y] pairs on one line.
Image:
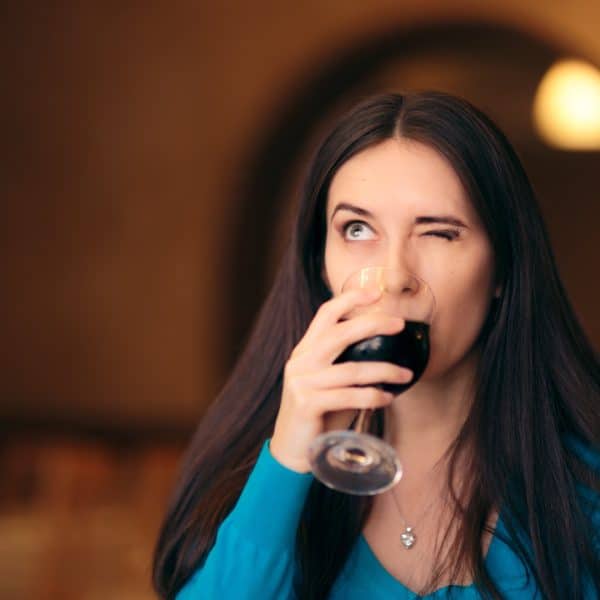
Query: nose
[[398, 281], [399, 264], [402, 292]]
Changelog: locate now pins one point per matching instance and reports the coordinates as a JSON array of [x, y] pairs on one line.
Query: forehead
[[403, 175]]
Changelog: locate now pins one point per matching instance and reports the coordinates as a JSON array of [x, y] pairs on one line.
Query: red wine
[[409, 348]]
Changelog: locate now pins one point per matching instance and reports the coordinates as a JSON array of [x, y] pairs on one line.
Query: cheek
[[337, 266], [463, 302], [329, 273]]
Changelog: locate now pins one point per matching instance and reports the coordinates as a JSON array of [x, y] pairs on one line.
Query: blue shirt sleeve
[[253, 555]]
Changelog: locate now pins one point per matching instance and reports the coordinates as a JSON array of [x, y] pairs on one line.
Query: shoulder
[[584, 451], [588, 481]]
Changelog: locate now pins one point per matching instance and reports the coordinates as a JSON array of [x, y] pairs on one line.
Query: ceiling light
[[566, 109]]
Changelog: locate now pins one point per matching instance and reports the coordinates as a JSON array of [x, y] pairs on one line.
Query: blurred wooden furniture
[[79, 518]]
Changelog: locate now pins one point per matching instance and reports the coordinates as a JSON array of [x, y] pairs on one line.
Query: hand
[[318, 395]]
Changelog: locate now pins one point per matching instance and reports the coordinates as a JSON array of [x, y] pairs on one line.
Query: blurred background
[[150, 160]]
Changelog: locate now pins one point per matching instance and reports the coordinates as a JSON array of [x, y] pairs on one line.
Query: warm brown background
[[149, 156]]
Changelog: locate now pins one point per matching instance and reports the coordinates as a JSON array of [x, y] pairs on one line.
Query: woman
[[499, 437]]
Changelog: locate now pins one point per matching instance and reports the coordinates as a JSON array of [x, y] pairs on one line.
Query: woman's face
[[400, 204]]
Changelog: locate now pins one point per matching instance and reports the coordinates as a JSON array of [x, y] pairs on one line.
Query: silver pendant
[[408, 538]]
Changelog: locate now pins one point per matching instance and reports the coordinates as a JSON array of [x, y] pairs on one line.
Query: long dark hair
[[538, 379]]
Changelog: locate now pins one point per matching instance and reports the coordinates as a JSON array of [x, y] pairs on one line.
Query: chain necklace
[[408, 537]]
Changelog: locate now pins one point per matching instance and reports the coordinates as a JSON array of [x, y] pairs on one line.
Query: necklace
[[408, 537]]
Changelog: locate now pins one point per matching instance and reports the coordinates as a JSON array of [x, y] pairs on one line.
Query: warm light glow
[[566, 108]]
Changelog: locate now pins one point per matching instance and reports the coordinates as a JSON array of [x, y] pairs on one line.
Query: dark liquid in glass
[[409, 348]]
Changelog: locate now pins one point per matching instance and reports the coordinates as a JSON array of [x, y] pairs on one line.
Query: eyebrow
[[423, 220], [355, 209], [445, 219]]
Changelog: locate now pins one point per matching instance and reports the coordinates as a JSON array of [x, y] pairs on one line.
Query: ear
[[498, 291]]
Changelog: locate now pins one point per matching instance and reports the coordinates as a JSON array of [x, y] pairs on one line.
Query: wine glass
[[354, 461]]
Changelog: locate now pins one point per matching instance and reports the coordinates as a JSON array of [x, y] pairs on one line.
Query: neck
[[425, 420]]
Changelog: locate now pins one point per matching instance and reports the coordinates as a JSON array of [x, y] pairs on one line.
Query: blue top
[[253, 555]]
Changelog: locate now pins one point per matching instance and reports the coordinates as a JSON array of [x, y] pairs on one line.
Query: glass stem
[[362, 421]]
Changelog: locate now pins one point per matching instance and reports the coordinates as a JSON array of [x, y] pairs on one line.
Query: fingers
[[350, 374], [330, 312], [358, 398], [342, 387], [324, 349], [349, 332]]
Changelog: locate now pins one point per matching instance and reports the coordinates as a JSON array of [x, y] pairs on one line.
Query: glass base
[[354, 463]]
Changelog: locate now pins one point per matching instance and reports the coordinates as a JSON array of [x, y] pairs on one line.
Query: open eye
[[357, 230], [447, 234]]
